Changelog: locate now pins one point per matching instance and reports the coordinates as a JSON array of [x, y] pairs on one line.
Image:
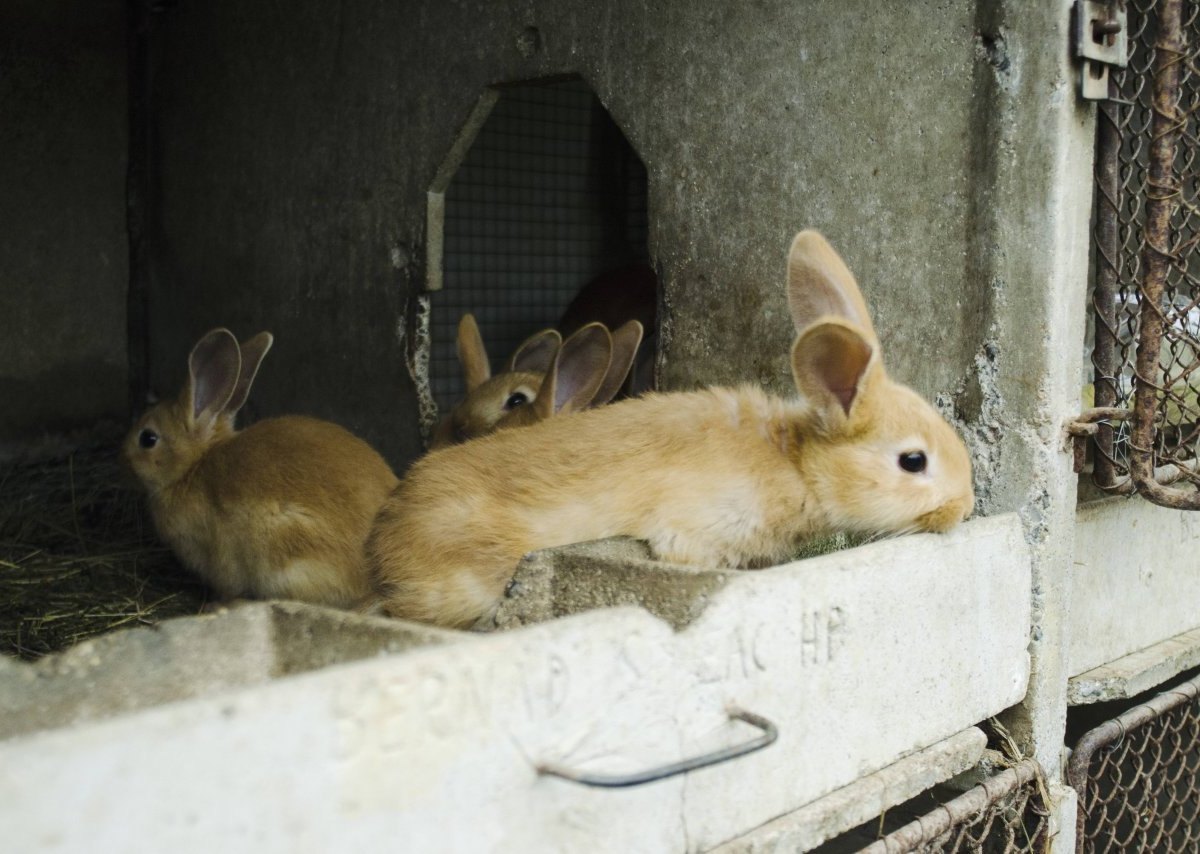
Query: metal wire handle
[[614, 781]]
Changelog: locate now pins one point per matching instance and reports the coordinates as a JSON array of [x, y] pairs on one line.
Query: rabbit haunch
[[721, 477], [280, 509]]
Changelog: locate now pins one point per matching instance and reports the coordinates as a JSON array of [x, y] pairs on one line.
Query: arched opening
[[549, 196]]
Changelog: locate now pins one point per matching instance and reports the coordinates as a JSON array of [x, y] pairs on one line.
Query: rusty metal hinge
[[1101, 41], [1084, 427]]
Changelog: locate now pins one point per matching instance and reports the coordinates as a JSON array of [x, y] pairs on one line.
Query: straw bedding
[[78, 554]]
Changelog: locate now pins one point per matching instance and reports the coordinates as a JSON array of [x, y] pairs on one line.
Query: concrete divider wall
[[1136, 581]]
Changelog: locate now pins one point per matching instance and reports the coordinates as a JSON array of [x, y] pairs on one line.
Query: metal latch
[[1101, 40], [1084, 427]]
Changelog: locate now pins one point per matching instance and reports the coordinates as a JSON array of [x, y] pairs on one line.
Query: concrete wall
[[63, 250], [939, 145], [297, 143]]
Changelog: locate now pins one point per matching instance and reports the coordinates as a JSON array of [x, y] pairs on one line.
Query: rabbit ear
[[820, 285], [832, 363], [252, 350], [536, 352], [471, 353], [575, 375], [213, 368], [625, 343]]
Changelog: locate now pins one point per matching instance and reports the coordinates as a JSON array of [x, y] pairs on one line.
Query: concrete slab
[[250, 644], [863, 799], [1139, 671], [604, 574], [1064, 801], [859, 658], [1135, 582]]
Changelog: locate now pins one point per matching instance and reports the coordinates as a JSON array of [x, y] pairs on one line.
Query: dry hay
[[78, 555]]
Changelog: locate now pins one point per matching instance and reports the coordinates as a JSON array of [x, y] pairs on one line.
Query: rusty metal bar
[[1106, 353], [1162, 197]]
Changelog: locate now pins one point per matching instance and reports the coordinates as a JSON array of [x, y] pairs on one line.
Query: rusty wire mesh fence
[[1138, 777], [1146, 295], [1005, 814]]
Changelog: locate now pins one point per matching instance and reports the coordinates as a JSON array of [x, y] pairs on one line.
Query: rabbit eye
[[147, 438], [516, 399], [913, 461]]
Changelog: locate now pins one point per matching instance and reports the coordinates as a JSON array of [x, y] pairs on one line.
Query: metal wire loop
[[613, 781]]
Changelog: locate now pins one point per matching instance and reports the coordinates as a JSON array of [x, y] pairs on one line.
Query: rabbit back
[[280, 509], [722, 477], [697, 475]]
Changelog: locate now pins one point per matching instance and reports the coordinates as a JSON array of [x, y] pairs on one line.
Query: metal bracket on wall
[[1100, 38]]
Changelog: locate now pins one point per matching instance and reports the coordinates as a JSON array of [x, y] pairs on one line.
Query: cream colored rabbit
[[515, 397], [720, 477], [280, 509]]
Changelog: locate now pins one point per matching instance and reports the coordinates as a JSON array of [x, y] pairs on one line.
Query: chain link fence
[[1137, 777], [1144, 413], [1005, 814]]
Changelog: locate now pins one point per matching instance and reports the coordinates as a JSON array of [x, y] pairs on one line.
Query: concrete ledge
[[249, 644], [605, 574], [402, 747], [863, 799], [1135, 582], [1137, 672]]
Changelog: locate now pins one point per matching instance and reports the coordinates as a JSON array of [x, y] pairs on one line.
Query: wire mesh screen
[[1147, 226], [1138, 777], [1005, 814], [550, 195]]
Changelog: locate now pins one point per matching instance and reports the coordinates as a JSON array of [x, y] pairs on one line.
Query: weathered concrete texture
[[192, 657], [1064, 804], [1137, 672], [746, 146], [405, 746], [618, 571], [863, 799], [917, 587], [1032, 141], [63, 249], [1135, 581], [298, 143], [288, 201], [604, 574]]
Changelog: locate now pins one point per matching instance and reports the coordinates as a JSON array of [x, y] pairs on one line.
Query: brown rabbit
[[613, 298], [511, 398], [489, 398], [720, 477], [280, 509], [586, 371]]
